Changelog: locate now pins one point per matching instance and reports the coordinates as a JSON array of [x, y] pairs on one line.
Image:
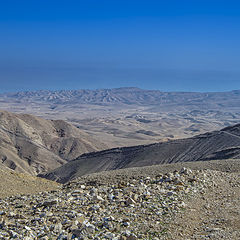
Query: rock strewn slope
[[141, 207], [30, 144]]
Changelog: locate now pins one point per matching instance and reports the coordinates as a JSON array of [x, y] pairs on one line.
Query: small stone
[[170, 194], [123, 238], [130, 201], [77, 192], [77, 232], [58, 228], [11, 214], [97, 198], [185, 171], [49, 203], [109, 235], [28, 228], [80, 220], [132, 237], [126, 224], [135, 197], [90, 228]]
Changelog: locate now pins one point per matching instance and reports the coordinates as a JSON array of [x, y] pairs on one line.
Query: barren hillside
[[223, 144], [13, 183], [31, 145]]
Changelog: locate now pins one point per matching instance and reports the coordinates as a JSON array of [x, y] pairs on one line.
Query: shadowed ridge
[[208, 146]]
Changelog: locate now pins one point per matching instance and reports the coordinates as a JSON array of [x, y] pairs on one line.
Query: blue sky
[[165, 45]]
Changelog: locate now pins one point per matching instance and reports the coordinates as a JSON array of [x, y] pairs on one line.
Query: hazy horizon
[[95, 89]]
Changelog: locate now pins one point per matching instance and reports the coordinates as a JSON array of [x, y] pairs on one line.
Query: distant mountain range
[[126, 96], [223, 144]]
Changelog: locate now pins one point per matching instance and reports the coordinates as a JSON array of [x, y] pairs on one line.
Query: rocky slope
[[223, 144], [31, 144], [184, 204]]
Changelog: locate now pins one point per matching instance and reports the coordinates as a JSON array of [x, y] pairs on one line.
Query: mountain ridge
[[209, 146]]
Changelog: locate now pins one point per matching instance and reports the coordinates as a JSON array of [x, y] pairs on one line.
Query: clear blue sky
[[168, 45]]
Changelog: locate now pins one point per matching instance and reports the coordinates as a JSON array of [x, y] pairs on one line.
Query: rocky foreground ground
[[183, 204]]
